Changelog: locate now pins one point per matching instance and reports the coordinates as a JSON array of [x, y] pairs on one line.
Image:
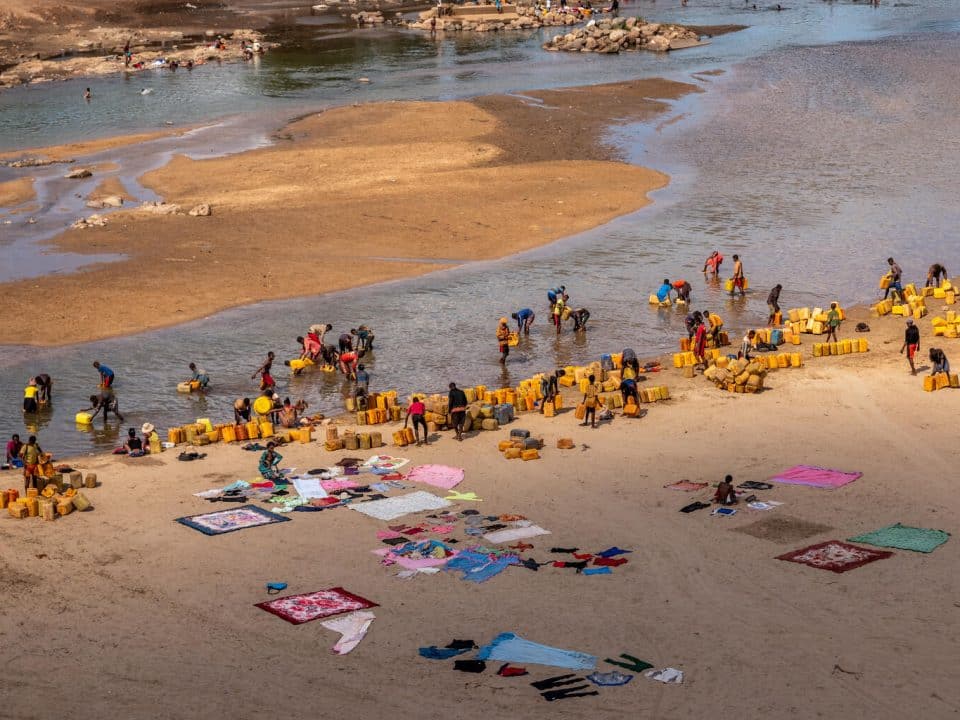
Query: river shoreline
[[545, 169]]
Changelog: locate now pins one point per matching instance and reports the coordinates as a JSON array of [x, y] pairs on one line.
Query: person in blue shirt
[[554, 293], [363, 379], [524, 320], [106, 374], [663, 294], [199, 375]]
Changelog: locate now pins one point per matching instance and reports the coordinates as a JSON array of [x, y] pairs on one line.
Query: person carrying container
[[896, 275], [682, 288], [503, 339], [199, 376], [773, 303], [739, 281], [105, 401], [524, 318]]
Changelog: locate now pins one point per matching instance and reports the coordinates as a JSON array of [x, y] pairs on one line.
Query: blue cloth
[[664, 292], [480, 567], [435, 653], [524, 314], [610, 679], [612, 551], [552, 294], [105, 371], [605, 570], [509, 647]]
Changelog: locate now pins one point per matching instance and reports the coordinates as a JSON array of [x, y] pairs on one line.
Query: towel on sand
[[815, 477], [904, 537]]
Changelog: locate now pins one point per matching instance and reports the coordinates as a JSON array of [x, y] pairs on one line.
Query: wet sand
[[71, 151], [16, 192], [161, 617], [360, 194]]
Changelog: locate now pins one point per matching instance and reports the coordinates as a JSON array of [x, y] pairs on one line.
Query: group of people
[[681, 287], [559, 312]]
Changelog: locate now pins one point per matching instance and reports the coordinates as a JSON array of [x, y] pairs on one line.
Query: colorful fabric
[[225, 521], [303, 608], [612, 678], [441, 476], [904, 537], [385, 462], [509, 647], [335, 484], [394, 507], [479, 567], [515, 533], [352, 628], [815, 477], [835, 556]]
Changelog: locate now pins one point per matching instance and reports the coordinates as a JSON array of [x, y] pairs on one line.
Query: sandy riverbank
[[161, 620], [363, 194]]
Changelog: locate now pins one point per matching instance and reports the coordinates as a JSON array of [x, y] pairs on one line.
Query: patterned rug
[[835, 556], [904, 537], [224, 521], [303, 608]]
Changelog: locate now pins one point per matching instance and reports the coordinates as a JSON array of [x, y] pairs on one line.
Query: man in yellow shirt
[[716, 325], [30, 396], [591, 399], [30, 454]]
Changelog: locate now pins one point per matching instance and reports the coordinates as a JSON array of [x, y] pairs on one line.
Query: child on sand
[[591, 400], [911, 343], [269, 460], [940, 362], [746, 345], [833, 322], [725, 494], [30, 455]]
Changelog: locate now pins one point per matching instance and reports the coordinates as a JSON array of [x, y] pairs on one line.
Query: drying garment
[[441, 476], [611, 562], [471, 496], [632, 663], [510, 647], [444, 653], [461, 644], [352, 628], [470, 666], [754, 485], [516, 533], [309, 488], [597, 571], [507, 671], [815, 477], [479, 567], [669, 675], [400, 505], [904, 537], [612, 551], [694, 506], [612, 678], [563, 550]]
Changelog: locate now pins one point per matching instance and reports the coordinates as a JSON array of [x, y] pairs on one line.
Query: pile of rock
[[513, 18], [624, 34]]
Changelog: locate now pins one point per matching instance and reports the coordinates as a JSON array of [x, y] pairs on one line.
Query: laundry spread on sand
[[764, 504], [384, 462], [477, 566], [817, 477], [297, 609], [904, 537], [414, 556], [835, 556], [609, 679], [509, 647], [225, 521], [335, 484], [441, 476], [394, 507], [686, 486], [669, 675], [352, 628], [309, 487], [515, 533]]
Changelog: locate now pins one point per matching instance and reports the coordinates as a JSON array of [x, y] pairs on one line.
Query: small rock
[[111, 201], [78, 173], [201, 210]]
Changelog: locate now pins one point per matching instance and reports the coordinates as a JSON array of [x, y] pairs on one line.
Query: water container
[[207, 425], [83, 418], [253, 430], [503, 413], [262, 405], [606, 362], [266, 430], [776, 337], [228, 433]]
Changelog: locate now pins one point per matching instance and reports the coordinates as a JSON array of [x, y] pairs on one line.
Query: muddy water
[[813, 163]]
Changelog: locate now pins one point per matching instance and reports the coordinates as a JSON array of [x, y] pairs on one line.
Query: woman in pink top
[[417, 410]]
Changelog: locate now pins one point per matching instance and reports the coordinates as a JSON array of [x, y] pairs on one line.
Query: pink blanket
[[410, 563], [441, 476], [334, 484], [815, 477]]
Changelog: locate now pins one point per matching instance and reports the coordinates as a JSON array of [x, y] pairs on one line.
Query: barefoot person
[[416, 410], [524, 318], [773, 302], [503, 340], [457, 402], [725, 494], [241, 410], [935, 275], [911, 343], [266, 379], [738, 277], [199, 376], [896, 274], [713, 263], [591, 399], [44, 389], [833, 322], [105, 401], [939, 360], [30, 455], [107, 376], [269, 463], [30, 392]]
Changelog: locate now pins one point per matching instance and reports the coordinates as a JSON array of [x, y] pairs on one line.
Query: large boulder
[[201, 210], [617, 35], [658, 43]]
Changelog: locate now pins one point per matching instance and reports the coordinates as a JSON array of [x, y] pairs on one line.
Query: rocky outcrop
[[519, 18], [78, 174], [161, 208], [623, 34], [110, 201], [88, 222], [201, 210]]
